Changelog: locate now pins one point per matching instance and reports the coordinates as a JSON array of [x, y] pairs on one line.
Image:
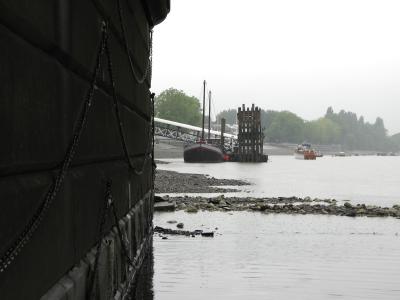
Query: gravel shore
[[174, 182]]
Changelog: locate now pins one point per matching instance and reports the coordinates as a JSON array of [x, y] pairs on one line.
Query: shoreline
[[166, 148], [174, 182], [280, 205]]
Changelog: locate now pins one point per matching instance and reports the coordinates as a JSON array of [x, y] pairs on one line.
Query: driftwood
[[182, 232]]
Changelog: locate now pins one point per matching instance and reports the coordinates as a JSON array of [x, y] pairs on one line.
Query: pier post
[[223, 121], [250, 136]]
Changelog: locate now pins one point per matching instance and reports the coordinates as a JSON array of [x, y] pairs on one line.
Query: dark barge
[[203, 151], [76, 165]]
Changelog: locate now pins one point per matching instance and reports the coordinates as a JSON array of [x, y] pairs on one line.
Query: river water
[[364, 179], [275, 256]]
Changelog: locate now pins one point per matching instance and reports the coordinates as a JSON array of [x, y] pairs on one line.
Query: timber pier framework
[[250, 136]]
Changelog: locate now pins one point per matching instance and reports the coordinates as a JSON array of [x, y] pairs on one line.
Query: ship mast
[[204, 108], [209, 113]]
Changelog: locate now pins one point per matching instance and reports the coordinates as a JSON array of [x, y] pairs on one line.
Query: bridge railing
[[188, 134]]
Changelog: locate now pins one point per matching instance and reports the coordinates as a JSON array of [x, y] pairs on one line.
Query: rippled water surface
[[260, 256], [275, 256], [366, 179]]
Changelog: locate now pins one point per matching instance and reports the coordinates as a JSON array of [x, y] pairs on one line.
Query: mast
[[209, 113], [204, 108]]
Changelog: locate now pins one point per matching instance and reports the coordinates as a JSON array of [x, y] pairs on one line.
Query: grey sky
[[295, 55]]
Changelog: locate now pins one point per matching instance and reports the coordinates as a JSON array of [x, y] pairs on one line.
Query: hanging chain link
[[110, 207], [148, 151], [138, 79], [124, 247], [33, 224], [151, 54], [154, 165], [94, 277], [27, 233]]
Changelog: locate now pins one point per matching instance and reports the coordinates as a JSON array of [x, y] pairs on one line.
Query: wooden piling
[[223, 121], [250, 135]]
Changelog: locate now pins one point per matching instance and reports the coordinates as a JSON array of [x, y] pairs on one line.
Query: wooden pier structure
[[250, 136]]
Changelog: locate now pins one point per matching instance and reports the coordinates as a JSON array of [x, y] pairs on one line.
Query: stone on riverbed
[[347, 205], [164, 206], [191, 209], [351, 213], [217, 200], [361, 211]]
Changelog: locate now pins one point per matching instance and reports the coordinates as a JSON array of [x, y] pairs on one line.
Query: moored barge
[[76, 166]]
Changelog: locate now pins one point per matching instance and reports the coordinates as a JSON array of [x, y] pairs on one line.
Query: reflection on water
[[365, 179], [259, 256]]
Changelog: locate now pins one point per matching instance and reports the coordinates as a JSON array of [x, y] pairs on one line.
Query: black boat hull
[[202, 153]]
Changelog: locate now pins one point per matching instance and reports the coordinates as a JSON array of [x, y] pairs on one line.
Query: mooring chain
[[138, 171], [154, 165], [110, 207], [25, 236], [127, 49], [13, 251], [151, 54], [28, 231], [94, 278], [124, 247]]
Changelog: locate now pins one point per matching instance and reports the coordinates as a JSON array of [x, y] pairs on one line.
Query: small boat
[[202, 151], [340, 154], [304, 151]]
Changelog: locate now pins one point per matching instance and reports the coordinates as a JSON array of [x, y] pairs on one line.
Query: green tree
[[267, 118], [322, 131], [358, 134], [395, 140], [344, 128], [230, 116], [175, 105], [284, 126]]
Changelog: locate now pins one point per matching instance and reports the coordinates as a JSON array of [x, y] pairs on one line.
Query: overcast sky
[[296, 55]]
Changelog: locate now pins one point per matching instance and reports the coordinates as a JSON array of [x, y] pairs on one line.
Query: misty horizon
[[300, 57]]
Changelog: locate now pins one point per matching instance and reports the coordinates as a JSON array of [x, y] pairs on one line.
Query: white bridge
[[188, 133]]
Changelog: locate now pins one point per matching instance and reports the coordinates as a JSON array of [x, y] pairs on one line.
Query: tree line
[[341, 128], [344, 128]]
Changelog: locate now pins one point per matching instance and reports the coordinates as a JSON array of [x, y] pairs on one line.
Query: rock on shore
[[283, 205]]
